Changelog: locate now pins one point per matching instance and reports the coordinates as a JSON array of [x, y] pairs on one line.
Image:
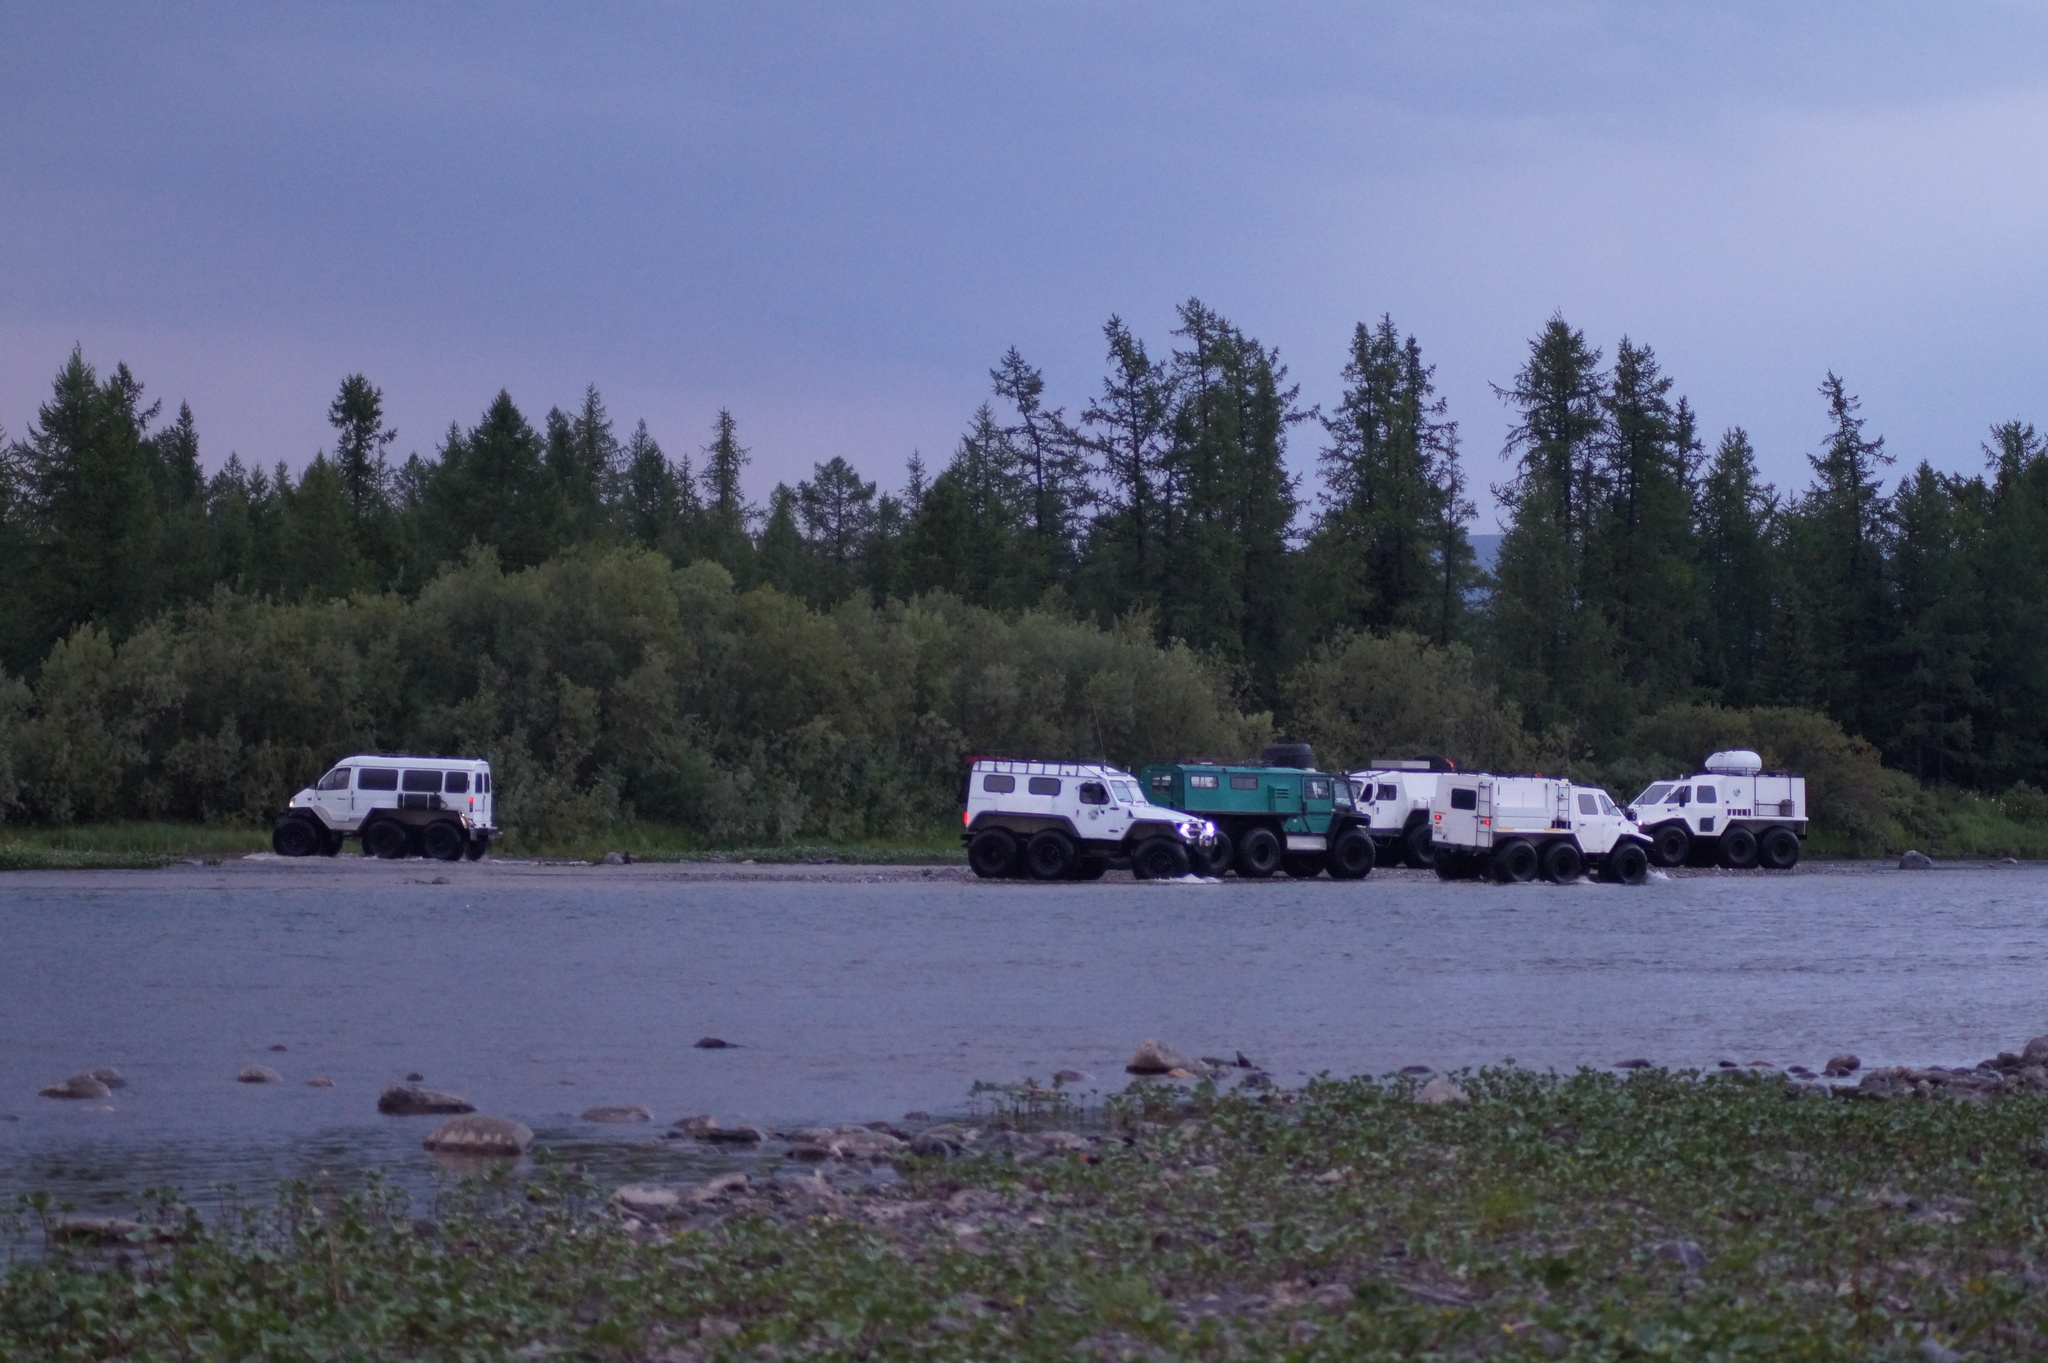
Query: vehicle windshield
[[1607, 805], [1654, 795], [1126, 792]]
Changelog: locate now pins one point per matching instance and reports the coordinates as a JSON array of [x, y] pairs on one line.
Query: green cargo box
[[1274, 818]]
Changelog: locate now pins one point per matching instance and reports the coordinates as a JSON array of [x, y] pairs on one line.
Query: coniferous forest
[[1132, 572]]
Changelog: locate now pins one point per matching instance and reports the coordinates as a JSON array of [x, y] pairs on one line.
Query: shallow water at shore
[[854, 995]]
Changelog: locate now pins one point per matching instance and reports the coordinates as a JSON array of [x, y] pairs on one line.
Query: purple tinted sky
[[834, 218]]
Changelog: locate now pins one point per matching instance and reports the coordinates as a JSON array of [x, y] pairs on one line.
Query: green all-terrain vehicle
[[1279, 814]]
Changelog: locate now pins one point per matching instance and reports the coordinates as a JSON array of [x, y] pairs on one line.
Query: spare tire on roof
[[1287, 755]]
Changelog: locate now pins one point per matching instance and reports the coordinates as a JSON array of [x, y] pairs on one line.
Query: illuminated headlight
[[1197, 830]]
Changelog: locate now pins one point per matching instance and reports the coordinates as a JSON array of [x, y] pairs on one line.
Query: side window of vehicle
[[1465, 798], [998, 785], [1200, 782], [1045, 785], [486, 786], [1390, 792], [1094, 793], [334, 780], [1244, 783], [1164, 780], [378, 778], [456, 783], [1588, 805], [1682, 796], [423, 782], [1704, 794], [1318, 790]]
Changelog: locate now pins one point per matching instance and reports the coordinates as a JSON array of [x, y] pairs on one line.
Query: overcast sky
[[833, 219]]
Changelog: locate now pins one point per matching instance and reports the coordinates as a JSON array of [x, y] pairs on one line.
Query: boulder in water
[[418, 1102], [617, 1113], [109, 1076], [1916, 861], [78, 1086], [1154, 1056], [476, 1134], [1840, 1065], [258, 1074]]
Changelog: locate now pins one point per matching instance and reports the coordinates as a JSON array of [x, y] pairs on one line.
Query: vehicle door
[[458, 789], [1318, 802], [334, 797], [1706, 808], [1097, 813]]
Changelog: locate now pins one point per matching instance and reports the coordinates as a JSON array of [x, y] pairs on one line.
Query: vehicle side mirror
[[1629, 814]]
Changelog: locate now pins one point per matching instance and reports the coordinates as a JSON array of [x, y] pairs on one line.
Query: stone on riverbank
[[78, 1087], [2035, 1052], [650, 1200], [713, 1043], [1916, 861], [476, 1134], [1441, 1091], [258, 1074], [1841, 1065], [618, 1113], [418, 1102], [1154, 1056], [844, 1142], [109, 1076]]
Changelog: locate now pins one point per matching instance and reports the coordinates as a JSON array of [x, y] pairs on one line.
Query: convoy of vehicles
[[1074, 821], [1515, 828], [1280, 814], [1734, 813], [1393, 796], [438, 807]]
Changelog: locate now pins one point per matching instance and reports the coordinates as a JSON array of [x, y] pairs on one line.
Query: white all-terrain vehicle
[[1073, 821], [438, 807], [1515, 828], [1394, 795], [1734, 814]]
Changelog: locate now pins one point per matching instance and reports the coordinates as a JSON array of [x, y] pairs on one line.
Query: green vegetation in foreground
[[1658, 1216]]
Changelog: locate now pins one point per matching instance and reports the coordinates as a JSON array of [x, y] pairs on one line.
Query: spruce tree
[[2012, 568], [1642, 575], [1739, 571], [1553, 655], [1837, 536], [492, 488], [1131, 423], [582, 462], [1388, 549], [970, 536], [360, 440], [836, 509], [728, 519], [1227, 583], [1048, 465], [657, 500], [1937, 635], [781, 558]]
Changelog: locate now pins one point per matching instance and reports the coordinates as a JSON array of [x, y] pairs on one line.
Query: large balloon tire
[[1739, 849], [992, 853], [1352, 855], [387, 840], [1628, 864], [296, 836], [1779, 849], [1418, 850], [1562, 864], [1671, 845], [442, 841], [1159, 859], [1258, 854], [1514, 862], [1050, 855]]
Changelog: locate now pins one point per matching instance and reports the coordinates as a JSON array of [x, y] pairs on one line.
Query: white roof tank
[[1735, 762]]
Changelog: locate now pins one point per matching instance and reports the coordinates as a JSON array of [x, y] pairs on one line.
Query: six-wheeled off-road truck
[[1734, 814], [439, 807], [1515, 828], [1279, 814], [1073, 821]]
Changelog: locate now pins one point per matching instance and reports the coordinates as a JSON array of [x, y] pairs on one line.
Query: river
[[855, 994]]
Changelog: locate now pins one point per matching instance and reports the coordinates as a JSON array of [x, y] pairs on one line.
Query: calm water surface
[[539, 992]]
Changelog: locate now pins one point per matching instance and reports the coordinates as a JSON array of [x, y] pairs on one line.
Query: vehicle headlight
[[1197, 830]]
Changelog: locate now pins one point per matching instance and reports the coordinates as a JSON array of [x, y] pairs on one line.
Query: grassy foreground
[[1657, 1216]]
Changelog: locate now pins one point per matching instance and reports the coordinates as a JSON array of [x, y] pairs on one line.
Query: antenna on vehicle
[[1101, 749]]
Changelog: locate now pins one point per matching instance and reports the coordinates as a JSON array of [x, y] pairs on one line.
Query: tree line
[[1641, 574]]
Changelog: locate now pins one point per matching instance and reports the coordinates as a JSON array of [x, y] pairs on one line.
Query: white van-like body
[[1074, 821], [439, 807], [1515, 828], [1393, 795], [1734, 814]]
